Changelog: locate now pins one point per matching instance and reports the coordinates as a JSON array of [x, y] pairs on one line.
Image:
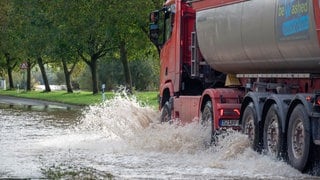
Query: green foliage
[[34, 27], [111, 73], [85, 81], [144, 74], [61, 30]]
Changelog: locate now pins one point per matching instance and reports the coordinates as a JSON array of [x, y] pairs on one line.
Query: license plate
[[229, 123]]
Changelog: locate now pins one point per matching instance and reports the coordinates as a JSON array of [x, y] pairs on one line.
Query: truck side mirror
[[154, 34], [154, 17], [154, 30]]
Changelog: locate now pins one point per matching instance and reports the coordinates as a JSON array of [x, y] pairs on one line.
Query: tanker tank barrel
[[237, 38]]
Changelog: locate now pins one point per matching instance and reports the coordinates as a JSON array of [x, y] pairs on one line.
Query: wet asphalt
[[18, 101]]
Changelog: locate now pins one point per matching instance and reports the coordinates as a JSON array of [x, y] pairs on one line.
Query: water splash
[[126, 138], [125, 119], [118, 118], [172, 138]]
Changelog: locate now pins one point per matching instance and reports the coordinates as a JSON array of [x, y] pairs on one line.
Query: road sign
[[24, 65]]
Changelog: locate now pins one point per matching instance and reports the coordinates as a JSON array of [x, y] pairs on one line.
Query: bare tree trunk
[[9, 69], [28, 79], [11, 85], [92, 63], [29, 75], [44, 75], [67, 75], [126, 69], [93, 68]]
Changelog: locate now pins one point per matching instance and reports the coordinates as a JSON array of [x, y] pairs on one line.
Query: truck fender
[[214, 94], [166, 92], [299, 99], [282, 101], [206, 95], [258, 99], [302, 99], [204, 98]]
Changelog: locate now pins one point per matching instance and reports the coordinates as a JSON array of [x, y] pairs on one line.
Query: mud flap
[[315, 124]]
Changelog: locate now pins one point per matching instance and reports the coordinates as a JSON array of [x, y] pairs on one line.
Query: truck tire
[[249, 127], [299, 139], [165, 113], [272, 134], [207, 122]]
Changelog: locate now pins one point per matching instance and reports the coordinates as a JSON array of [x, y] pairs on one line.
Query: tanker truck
[[249, 65]]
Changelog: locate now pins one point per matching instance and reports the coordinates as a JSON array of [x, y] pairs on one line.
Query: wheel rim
[[273, 136], [165, 116], [298, 139], [206, 121], [249, 128]]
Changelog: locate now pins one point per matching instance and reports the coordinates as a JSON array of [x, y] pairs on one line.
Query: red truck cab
[[189, 88]]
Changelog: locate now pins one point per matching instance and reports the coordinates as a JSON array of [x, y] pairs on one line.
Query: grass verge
[[80, 97]]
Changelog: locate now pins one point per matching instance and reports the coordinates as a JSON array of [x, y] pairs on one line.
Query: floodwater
[[122, 139]]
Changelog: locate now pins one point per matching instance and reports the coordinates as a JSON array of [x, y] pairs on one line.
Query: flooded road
[[121, 139]]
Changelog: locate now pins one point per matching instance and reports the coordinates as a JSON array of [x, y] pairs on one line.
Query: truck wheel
[[299, 139], [248, 126], [206, 122], [165, 113], [272, 134]]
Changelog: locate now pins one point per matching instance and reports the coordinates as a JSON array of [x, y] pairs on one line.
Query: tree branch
[[73, 66], [83, 58]]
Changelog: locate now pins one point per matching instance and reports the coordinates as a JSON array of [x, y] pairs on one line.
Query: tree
[[7, 43], [124, 60], [88, 26], [104, 27], [44, 74], [64, 49], [63, 32], [30, 64], [68, 73], [35, 31], [131, 32], [11, 63]]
